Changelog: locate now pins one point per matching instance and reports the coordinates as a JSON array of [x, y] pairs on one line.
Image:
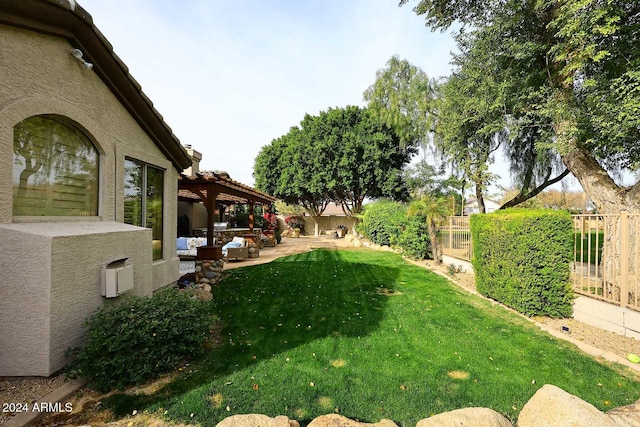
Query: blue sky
[[230, 76]]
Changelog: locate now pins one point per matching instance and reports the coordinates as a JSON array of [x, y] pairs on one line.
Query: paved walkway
[[290, 246]]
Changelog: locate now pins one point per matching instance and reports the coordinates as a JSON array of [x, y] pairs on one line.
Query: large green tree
[[343, 155], [567, 70], [403, 97], [462, 121], [473, 124], [289, 169]]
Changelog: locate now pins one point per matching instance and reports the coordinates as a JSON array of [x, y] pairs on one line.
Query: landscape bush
[[139, 338], [382, 221], [521, 258], [413, 238], [241, 220], [385, 222]]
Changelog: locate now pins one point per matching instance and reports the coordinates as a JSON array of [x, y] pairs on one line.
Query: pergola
[[212, 187]]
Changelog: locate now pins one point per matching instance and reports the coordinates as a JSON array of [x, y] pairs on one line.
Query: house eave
[[68, 20]]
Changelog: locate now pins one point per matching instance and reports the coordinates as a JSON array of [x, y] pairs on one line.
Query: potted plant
[[342, 230], [296, 224]]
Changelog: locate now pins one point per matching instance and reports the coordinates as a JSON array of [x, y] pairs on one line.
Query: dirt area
[[30, 389], [26, 390]]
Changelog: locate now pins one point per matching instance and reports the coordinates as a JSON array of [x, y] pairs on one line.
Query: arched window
[[55, 169]]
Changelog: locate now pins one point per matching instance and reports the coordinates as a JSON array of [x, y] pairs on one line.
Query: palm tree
[[434, 209]]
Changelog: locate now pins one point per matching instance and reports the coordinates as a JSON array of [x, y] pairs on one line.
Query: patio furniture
[[236, 248]]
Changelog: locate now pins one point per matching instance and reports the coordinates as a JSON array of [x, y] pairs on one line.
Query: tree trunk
[[618, 270], [433, 236], [608, 196], [480, 198]]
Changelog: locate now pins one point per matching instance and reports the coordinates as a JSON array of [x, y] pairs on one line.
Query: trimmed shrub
[[382, 221], [141, 337], [241, 220], [521, 258], [385, 222], [414, 238]]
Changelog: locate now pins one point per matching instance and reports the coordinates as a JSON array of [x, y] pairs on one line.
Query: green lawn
[[370, 336], [588, 247]]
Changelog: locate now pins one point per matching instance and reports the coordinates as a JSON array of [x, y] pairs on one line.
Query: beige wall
[[57, 283], [39, 76], [319, 225]]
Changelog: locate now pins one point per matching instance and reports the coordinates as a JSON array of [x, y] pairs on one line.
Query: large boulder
[[626, 416], [335, 420], [255, 420], [467, 417], [553, 407]]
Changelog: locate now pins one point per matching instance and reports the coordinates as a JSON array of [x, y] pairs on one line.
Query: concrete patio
[[291, 246]]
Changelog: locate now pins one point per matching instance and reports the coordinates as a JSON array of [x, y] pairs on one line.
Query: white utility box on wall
[[117, 278]]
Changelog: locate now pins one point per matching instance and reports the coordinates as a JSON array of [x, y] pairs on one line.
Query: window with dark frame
[[144, 200]]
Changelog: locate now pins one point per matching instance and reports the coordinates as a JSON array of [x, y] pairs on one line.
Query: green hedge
[[382, 221], [521, 258], [413, 240], [142, 337], [385, 222]]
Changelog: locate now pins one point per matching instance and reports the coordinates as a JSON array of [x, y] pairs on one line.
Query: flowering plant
[[295, 221], [271, 219]]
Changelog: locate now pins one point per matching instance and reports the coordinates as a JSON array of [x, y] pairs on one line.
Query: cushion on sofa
[[239, 240], [188, 246], [230, 245], [181, 244]]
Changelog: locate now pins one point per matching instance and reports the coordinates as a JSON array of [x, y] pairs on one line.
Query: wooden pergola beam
[[210, 185]]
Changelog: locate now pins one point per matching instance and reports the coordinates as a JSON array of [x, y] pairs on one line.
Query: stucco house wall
[[51, 266]]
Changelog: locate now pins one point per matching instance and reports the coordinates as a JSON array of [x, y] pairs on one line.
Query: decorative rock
[[467, 417], [206, 265], [626, 416], [357, 243], [252, 250], [210, 275], [198, 268], [202, 295], [335, 420], [254, 420], [207, 287], [552, 407], [204, 280]]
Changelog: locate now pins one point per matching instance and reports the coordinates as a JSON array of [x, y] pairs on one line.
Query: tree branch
[[522, 197]]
